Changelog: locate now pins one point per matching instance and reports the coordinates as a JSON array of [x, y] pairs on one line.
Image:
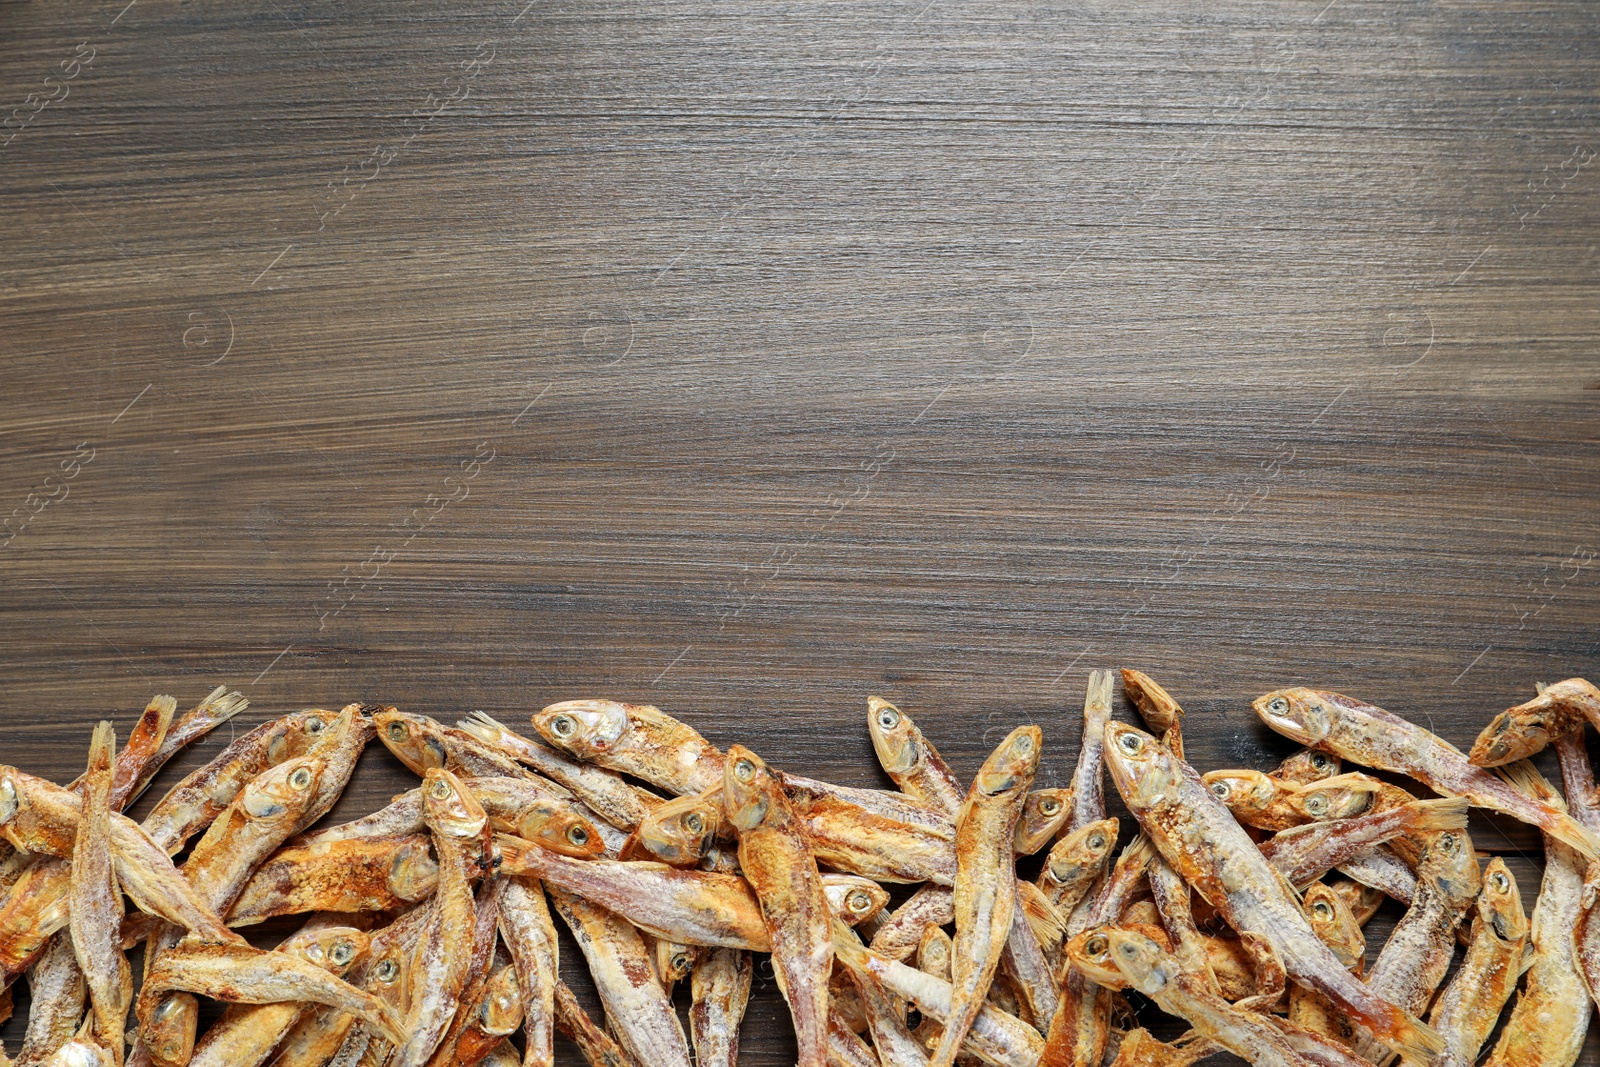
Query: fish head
[[1298, 714], [1243, 791], [933, 952], [1500, 903], [1090, 953], [559, 828], [1510, 736], [298, 733], [748, 788], [1143, 769], [501, 1009], [335, 949], [11, 794], [1087, 848], [284, 791], [170, 1030], [449, 808], [674, 962], [1012, 765], [1307, 766], [895, 737], [583, 728], [413, 872], [1156, 706], [414, 739], [1448, 859], [1044, 812], [854, 899], [1330, 917], [1144, 963], [385, 975], [681, 830], [1339, 797]]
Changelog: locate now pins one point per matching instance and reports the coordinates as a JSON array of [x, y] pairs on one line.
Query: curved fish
[[910, 759], [1470, 1005]]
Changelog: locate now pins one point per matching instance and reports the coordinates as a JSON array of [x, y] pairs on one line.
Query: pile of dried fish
[[1238, 906]]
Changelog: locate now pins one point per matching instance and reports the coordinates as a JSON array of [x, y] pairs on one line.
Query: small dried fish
[[634, 739], [422, 743], [58, 997], [1369, 735], [986, 884], [777, 862], [637, 1007], [1305, 853], [1336, 925], [1160, 712], [360, 874], [461, 836], [1470, 1005], [246, 1034], [597, 1046], [1088, 778], [910, 759], [1044, 813], [898, 936], [492, 1015], [1255, 799], [529, 934], [679, 831], [1306, 766], [1520, 732], [1076, 861], [95, 901], [720, 989]]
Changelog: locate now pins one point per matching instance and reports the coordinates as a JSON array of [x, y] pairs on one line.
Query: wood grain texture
[[939, 350]]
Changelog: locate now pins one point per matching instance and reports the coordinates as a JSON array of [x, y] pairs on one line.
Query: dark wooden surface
[[938, 350]]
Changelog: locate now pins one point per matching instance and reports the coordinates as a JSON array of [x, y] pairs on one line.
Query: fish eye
[[1322, 910], [860, 901], [744, 770], [1319, 761], [693, 822], [1448, 844], [888, 718], [314, 726], [386, 971], [1278, 706], [1049, 805], [1317, 804], [301, 778], [563, 726], [440, 789], [1095, 946], [680, 961], [578, 835], [1023, 744], [397, 731], [1128, 949], [1499, 882], [1097, 842], [1130, 743], [1220, 788], [342, 952]]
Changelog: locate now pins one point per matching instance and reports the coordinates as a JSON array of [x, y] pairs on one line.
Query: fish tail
[[1413, 1039], [103, 746], [1427, 816], [220, 705], [1571, 832]]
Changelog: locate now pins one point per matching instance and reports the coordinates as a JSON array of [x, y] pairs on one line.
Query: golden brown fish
[[442, 959], [1306, 766], [530, 936], [57, 995], [1044, 813], [777, 862], [597, 1046], [1470, 1005], [679, 831], [360, 874], [986, 884], [1333, 921], [247, 1034], [931, 906], [1520, 732], [1076, 861], [637, 1007], [95, 900], [1305, 853], [1088, 777], [1160, 712], [633, 739], [720, 989], [910, 759]]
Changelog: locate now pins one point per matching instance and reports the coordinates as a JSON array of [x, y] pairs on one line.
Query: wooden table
[[747, 359]]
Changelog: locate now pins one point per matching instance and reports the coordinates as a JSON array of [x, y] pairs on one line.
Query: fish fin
[[1571, 832], [220, 705], [1353, 780], [164, 707], [1525, 777], [103, 746], [484, 731], [1426, 816], [1414, 1039]]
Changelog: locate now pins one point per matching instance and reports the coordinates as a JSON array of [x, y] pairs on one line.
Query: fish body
[[1088, 777], [719, 989], [634, 739], [530, 936], [354, 875], [95, 900], [1306, 852], [777, 861]]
